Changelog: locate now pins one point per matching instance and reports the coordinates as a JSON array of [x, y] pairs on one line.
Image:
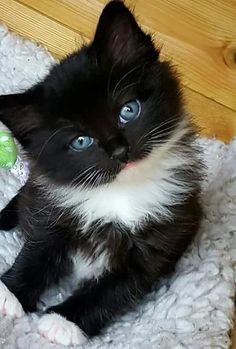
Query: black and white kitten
[[112, 196]]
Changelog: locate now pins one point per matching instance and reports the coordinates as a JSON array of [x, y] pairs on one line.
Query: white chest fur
[[85, 268]]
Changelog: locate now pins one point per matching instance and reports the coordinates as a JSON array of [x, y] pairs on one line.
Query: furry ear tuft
[[119, 39], [18, 114]]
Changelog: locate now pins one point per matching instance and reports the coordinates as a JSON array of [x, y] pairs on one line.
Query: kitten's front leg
[[9, 304], [94, 305], [38, 265], [9, 215]]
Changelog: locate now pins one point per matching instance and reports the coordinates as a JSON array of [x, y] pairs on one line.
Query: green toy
[[8, 150]]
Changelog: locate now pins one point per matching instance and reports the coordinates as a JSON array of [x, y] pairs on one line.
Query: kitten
[[112, 196]]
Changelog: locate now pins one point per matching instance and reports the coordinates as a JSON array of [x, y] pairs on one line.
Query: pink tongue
[[129, 165]]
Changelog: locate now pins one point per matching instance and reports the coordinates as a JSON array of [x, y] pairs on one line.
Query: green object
[[8, 151]]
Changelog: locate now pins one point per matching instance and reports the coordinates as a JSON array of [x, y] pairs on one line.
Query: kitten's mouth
[[128, 165]]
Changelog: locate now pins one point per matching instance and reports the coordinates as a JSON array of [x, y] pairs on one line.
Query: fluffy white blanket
[[193, 309]]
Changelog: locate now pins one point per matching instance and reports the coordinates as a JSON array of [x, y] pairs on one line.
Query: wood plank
[[59, 39], [233, 336], [198, 36], [81, 16], [213, 120]]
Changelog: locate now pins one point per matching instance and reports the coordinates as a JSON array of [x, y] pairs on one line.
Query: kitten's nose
[[120, 153], [117, 148]]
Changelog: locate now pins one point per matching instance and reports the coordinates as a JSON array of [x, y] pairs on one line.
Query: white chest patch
[[85, 268], [136, 194]]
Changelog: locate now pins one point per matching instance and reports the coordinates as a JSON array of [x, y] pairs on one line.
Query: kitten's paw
[[61, 331], [9, 304]]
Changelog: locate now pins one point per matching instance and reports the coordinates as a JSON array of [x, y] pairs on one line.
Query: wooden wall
[[199, 36]]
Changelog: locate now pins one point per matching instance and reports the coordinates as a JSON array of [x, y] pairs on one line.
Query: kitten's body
[[115, 228]]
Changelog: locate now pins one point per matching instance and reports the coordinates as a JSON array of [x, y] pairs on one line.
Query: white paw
[[9, 304], [61, 331]]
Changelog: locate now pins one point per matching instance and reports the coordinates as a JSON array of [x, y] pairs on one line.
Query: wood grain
[[195, 33], [58, 38], [233, 335], [213, 119]]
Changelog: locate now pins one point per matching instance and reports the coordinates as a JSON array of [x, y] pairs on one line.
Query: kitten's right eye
[[81, 143], [130, 111]]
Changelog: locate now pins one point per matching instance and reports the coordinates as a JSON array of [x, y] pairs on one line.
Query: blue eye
[[81, 143], [130, 111]]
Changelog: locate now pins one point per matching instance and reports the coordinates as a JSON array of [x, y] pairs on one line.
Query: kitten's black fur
[[83, 96]]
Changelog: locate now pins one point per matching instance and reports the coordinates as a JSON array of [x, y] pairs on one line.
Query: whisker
[[88, 179], [109, 79], [166, 132], [128, 86], [98, 179], [82, 174], [54, 223], [95, 177], [34, 213], [124, 77], [178, 146], [164, 123], [50, 138], [159, 135]]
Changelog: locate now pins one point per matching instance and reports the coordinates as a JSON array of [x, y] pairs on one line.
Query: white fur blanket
[[194, 309]]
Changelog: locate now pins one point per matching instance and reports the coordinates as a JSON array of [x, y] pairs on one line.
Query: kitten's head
[[100, 110]]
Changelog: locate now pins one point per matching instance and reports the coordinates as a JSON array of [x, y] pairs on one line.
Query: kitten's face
[[102, 109]]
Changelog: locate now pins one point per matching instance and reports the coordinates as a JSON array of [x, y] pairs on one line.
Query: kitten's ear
[[119, 38], [17, 112]]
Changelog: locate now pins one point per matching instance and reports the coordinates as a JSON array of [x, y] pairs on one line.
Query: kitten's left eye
[[81, 143], [130, 111]]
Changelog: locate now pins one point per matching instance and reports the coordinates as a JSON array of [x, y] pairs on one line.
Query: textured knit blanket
[[192, 309]]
